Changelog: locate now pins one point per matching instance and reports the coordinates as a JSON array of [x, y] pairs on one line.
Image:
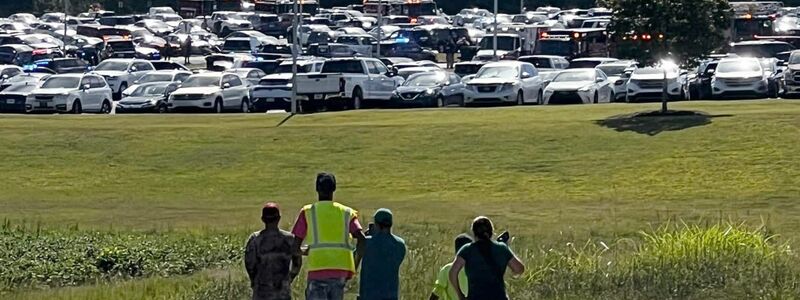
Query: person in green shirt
[[442, 289]]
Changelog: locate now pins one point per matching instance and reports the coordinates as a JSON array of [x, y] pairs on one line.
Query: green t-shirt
[[486, 281], [443, 289]]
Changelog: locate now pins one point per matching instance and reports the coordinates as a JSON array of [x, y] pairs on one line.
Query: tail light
[[341, 85]]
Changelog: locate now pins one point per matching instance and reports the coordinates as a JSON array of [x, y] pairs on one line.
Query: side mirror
[[526, 75], [226, 85], [598, 80], [85, 87], [132, 69], [711, 72], [783, 63], [5, 76]]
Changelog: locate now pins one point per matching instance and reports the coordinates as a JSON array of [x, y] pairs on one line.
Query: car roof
[[508, 63], [71, 75], [601, 59], [171, 72]]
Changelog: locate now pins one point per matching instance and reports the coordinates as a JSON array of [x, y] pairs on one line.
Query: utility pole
[[295, 49], [64, 38], [494, 44], [522, 6], [380, 27]]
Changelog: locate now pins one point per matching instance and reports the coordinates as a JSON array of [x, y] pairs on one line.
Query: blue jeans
[[325, 289]]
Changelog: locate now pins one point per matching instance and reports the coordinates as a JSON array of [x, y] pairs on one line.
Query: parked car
[[73, 93], [546, 62], [579, 86], [648, 84], [251, 76], [698, 85], [176, 76], [225, 22], [739, 77], [13, 97], [121, 73], [60, 66], [618, 73], [149, 97], [362, 44], [274, 91], [431, 89], [212, 91], [791, 77], [468, 68], [589, 62], [24, 78], [505, 82], [356, 80], [8, 72]]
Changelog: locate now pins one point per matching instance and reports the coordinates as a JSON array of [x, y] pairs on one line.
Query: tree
[[684, 30]]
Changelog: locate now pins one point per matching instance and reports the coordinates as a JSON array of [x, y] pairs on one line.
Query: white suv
[[74, 93], [505, 82], [648, 84], [214, 91], [121, 73], [739, 77]]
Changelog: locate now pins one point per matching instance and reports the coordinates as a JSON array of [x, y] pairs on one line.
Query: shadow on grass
[[654, 122]]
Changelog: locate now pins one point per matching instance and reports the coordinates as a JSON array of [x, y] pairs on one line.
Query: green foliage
[[32, 258], [691, 28]]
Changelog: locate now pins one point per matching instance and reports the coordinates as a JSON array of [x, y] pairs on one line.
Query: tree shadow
[[654, 122]]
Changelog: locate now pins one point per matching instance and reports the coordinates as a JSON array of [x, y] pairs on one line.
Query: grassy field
[[551, 175]]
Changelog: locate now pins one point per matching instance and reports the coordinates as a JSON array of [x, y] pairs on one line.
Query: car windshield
[[431, 79], [612, 70], [539, 62], [287, 68], [738, 66], [794, 59], [110, 65], [155, 78], [201, 81], [498, 72], [149, 90], [61, 83], [574, 76], [506, 43]]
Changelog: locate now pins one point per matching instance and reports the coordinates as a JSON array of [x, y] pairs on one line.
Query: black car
[[699, 84], [468, 68], [61, 66], [147, 98], [430, 89], [12, 98], [168, 65], [406, 49]]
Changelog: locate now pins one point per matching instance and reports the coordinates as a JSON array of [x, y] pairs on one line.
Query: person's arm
[[251, 259], [516, 266], [361, 245], [433, 297], [458, 264], [297, 258], [299, 230]]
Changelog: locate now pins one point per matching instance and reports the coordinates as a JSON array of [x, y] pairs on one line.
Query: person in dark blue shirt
[[485, 262], [383, 254]]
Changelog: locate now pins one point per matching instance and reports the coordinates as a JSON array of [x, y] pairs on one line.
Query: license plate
[[270, 100], [11, 101], [42, 104]]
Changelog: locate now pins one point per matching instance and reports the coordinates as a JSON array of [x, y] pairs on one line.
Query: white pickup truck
[[353, 80]]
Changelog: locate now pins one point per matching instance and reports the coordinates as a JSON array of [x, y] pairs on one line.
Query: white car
[[23, 18], [158, 76], [121, 73], [618, 74], [648, 84], [213, 91], [579, 86], [73, 93], [505, 82], [739, 77], [274, 91], [225, 22]]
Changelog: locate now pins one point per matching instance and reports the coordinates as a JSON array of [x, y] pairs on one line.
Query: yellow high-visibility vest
[[328, 236]]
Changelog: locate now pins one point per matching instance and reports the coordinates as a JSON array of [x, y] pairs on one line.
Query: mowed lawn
[[539, 170], [549, 174]]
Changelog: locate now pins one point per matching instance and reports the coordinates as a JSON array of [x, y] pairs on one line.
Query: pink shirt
[[301, 229]]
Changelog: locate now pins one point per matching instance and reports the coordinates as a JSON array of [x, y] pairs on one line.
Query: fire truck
[[285, 6], [574, 43], [752, 19], [410, 8]]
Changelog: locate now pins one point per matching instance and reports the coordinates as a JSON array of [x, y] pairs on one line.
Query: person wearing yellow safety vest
[[328, 229]]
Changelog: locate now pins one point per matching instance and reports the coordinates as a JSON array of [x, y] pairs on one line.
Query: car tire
[[162, 109], [77, 108], [461, 101], [245, 106], [611, 97], [118, 95], [106, 107], [596, 98], [540, 98], [520, 98], [358, 98], [218, 107], [440, 102]]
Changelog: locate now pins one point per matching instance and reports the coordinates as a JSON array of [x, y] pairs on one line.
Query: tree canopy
[[684, 30]]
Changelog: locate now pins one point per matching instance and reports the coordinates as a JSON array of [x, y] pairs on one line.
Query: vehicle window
[[143, 66], [181, 77], [97, 82], [600, 75], [343, 66], [530, 70], [256, 74], [454, 79], [86, 80], [373, 69], [10, 72], [234, 80], [381, 67]]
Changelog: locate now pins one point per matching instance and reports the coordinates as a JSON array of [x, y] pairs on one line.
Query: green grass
[[551, 175]]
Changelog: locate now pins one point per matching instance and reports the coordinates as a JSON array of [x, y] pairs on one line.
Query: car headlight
[[585, 89], [430, 92], [507, 86], [64, 94], [209, 93]]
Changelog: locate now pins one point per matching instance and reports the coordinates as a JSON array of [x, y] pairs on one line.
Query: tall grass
[[723, 261]]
